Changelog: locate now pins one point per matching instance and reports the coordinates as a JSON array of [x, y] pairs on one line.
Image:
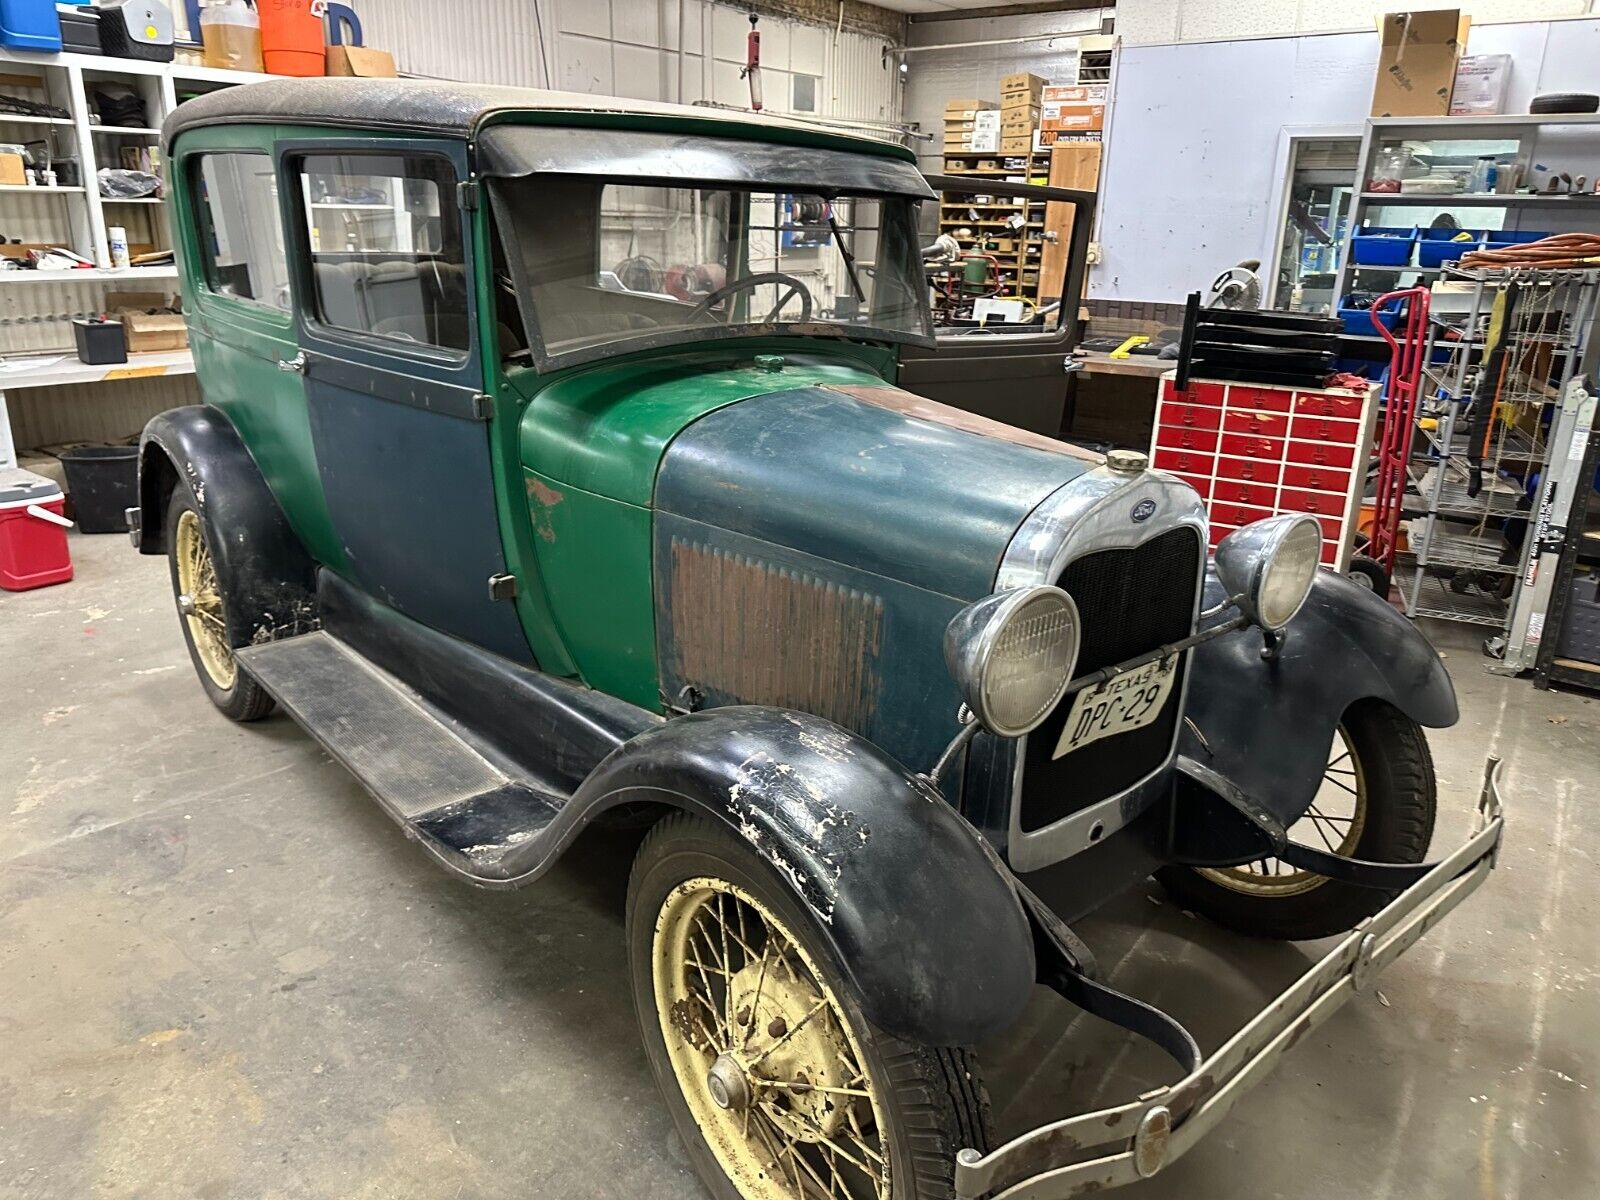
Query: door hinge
[[482, 407], [502, 587], [467, 194]]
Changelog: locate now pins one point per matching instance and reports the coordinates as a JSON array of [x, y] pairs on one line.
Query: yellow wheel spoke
[[789, 1033]]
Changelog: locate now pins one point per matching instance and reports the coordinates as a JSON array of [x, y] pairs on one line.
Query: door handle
[[296, 364]]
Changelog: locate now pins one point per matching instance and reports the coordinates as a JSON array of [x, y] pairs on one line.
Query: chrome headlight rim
[[976, 631], [1246, 557]]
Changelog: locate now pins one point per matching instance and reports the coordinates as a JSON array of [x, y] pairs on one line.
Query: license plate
[[1121, 705]]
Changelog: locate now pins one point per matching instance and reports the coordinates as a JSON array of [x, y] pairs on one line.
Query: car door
[[394, 380], [1016, 372]]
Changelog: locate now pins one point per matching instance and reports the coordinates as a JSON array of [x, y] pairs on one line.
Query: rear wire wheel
[[202, 615], [1376, 802], [779, 1087]]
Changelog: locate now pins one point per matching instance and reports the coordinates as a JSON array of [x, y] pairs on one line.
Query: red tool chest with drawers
[[1255, 450]]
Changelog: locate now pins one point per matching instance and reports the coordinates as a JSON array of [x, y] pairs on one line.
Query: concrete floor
[[223, 973]]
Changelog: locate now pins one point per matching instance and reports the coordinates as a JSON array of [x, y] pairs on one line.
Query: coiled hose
[[1562, 250]]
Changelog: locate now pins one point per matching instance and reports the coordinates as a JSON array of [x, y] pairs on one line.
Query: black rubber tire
[[246, 700], [1565, 102], [934, 1096], [1401, 804], [1369, 573]]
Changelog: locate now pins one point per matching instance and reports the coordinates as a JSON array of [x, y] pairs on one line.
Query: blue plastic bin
[[1358, 318], [1438, 246], [1504, 239], [30, 25], [1383, 245]]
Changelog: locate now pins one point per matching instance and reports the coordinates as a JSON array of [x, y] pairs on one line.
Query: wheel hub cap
[[728, 1084]]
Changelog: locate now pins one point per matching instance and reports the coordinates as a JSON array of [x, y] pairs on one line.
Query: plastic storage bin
[[33, 532], [104, 482], [1435, 247], [292, 39], [1505, 239], [30, 25], [1357, 317], [1383, 246]]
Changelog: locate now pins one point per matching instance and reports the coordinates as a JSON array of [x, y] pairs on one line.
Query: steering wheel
[[794, 286]]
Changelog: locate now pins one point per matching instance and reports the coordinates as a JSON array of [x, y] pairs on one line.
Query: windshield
[[608, 264]]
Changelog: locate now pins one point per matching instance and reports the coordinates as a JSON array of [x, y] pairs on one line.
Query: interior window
[[386, 246], [241, 237]]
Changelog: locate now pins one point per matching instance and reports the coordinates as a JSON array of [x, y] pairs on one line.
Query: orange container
[[291, 37]]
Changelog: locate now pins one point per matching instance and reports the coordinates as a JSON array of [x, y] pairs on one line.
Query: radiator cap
[[1127, 462]]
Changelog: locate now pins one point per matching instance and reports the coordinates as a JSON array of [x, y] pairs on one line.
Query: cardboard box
[[986, 142], [1021, 82], [147, 331], [13, 171], [1072, 118], [967, 107], [1080, 93], [1417, 61], [1018, 120], [1020, 143], [361, 61], [1481, 84], [981, 120]]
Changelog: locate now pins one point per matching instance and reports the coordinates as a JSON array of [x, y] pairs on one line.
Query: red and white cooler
[[33, 532]]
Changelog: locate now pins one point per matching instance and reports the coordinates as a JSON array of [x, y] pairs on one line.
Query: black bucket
[[103, 482]]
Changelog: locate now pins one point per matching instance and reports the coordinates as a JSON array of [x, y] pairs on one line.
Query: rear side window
[[386, 246], [241, 235]]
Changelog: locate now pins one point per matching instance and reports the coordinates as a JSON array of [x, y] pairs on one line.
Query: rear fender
[[929, 934], [1265, 724], [268, 579]]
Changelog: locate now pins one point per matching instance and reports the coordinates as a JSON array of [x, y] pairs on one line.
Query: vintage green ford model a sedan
[[552, 469]]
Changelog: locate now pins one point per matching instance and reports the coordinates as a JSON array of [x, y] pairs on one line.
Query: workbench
[[45, 370], [1112, 401]]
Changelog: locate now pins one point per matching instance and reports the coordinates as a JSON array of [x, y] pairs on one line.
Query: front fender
[[268, 580], [932, 938], [1266, 725]]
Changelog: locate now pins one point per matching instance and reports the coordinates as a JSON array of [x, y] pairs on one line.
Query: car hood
[[866, 475]]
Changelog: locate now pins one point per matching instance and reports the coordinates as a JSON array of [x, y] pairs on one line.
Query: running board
[[426, 770]]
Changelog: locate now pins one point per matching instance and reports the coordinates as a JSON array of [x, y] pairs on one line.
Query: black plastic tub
[[103, 482]]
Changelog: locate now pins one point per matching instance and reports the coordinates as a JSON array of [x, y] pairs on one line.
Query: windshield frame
[[516, 265]]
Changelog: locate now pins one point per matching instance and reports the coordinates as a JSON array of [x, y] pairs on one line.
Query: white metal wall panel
[[1151, 22], [94, 412]]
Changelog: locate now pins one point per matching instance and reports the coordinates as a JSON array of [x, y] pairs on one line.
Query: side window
[[241, 236], [387, 257]]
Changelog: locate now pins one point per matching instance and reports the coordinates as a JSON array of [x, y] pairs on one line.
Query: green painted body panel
[[237, 345], [603, 428], [590, 441], [594, 564]]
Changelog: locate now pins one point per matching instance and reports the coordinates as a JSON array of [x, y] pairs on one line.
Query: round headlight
[[1270, 566], [1012, 655]]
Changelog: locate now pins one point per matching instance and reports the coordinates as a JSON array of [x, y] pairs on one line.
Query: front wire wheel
[[1336, 820], [779, 1087], [1376, 802], [761, 1049]]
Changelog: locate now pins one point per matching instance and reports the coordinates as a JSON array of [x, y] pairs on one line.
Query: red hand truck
[[1401, 392]]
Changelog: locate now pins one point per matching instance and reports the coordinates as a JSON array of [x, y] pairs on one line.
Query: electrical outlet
[[1094, 258]]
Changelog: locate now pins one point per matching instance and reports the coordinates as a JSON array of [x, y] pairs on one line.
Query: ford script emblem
[[1144, 510]]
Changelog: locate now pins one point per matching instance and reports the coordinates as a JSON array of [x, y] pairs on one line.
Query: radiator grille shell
[[1130, 601]]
